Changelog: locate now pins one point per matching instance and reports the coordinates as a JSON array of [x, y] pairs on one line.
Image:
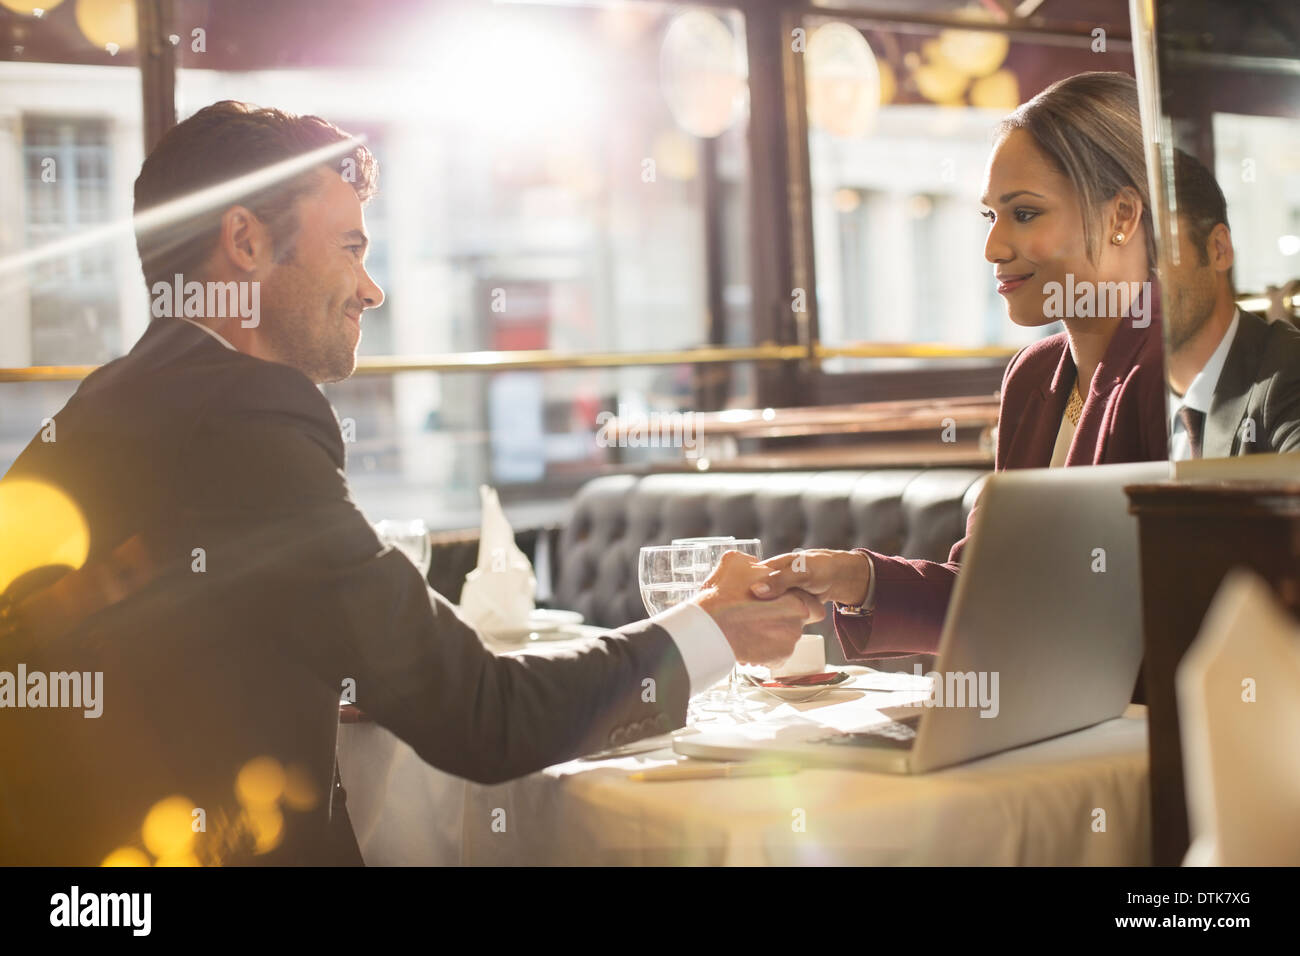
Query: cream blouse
[[1063, 438]]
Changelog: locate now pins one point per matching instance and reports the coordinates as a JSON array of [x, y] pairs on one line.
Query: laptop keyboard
[[898, 734]]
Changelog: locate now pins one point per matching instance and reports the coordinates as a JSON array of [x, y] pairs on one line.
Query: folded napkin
[[498, 594]]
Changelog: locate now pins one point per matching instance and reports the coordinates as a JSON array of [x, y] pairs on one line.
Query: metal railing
[[541, 359]]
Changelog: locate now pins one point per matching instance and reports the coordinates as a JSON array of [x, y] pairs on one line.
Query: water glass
[[411, 538]]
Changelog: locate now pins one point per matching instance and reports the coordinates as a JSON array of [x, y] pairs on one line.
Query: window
[[67, 189], [1254, 162], [552, 177], [900, 122]]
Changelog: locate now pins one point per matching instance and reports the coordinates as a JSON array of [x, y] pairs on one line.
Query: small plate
[[798, 693], [548, 619], [560, 632], [825, 679]]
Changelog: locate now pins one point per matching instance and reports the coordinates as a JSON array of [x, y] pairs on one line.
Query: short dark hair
[[220, 143], [1199, 200]]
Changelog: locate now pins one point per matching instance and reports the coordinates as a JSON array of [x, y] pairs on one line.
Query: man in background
[[1234, 377]]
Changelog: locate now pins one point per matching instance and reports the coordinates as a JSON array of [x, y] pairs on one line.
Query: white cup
[[809, 657]]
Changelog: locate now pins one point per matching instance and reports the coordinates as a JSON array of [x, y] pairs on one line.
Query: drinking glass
[[708, 553], [411, 538], [667, 575]]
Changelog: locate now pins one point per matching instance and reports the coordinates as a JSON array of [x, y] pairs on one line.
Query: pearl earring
[[1117, 238]]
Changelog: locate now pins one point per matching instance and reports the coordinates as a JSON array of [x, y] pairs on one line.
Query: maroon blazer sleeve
[[1123, 420], [912, 595]]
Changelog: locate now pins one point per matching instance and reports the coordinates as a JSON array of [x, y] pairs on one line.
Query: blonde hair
[[1090, 127]]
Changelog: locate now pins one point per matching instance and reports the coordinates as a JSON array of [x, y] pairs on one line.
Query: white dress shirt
[[1199, 395], [200, 325], [704, 649], [707, 654]]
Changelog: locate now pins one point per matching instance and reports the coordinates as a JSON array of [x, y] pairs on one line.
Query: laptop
[[1043, 635]]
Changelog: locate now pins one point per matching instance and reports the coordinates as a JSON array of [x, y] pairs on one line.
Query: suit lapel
[[1233, 390], [1031, 446], [1093, 433]]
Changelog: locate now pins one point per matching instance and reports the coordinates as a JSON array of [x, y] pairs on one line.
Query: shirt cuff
[[706, 653]]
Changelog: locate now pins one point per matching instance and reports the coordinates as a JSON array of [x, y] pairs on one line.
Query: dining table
[[1077, 799]]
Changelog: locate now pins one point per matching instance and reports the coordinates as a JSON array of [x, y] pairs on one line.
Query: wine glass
[[409, 537], [754, 548], [709, 552], [667, 575]]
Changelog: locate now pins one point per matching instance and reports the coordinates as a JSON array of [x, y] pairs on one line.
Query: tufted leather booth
[[917, 513]]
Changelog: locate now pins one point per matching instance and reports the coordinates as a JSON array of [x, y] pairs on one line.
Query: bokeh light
[[998, 91], [266, 824], [126, 856], [39, 525], [703, 73], [300, 792], [260, 782], [29, 7], [168, 827], [843, 81], [108, 24]]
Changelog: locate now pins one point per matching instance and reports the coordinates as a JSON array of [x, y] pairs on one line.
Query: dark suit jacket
[[1260, 382], [1123, 420], [184, 444]]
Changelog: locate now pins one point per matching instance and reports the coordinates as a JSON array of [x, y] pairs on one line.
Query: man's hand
[[840, 576], [759, 632]]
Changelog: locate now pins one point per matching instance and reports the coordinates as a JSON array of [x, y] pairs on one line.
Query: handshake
[[763, 606]]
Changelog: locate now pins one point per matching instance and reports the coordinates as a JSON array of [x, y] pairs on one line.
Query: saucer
[[796, 693]]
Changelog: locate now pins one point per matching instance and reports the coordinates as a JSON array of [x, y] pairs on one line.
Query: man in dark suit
[[1234, 377], [232, 587]]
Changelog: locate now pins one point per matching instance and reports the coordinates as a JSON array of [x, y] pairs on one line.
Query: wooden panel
[[1191, 535]]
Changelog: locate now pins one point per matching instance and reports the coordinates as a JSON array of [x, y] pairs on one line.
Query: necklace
[[1075, 407]]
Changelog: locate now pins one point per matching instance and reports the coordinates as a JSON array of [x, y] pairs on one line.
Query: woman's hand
[[839, 576], [759, 632]]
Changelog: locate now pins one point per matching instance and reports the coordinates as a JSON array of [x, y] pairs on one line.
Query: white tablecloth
[[1038, 805]]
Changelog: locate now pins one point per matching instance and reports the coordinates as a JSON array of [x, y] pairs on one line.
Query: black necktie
[[1194, 422]]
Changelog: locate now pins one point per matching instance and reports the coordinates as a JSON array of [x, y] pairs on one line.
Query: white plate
[[548, 619], [563, 632]]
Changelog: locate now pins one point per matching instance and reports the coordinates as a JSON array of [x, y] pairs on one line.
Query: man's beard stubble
[[1188, 315], [322, 354]]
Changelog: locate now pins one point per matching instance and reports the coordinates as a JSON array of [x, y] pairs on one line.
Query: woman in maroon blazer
[[1066, 199]]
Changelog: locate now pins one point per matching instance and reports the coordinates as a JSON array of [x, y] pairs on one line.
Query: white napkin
[[1239, 712], [498, 594]]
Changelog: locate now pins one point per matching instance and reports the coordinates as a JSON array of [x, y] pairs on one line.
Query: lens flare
[[260, 783], [29, 7], [266, 824], [126, 856], [299, 789], [168, 830], [39, 526], [109, 24]]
